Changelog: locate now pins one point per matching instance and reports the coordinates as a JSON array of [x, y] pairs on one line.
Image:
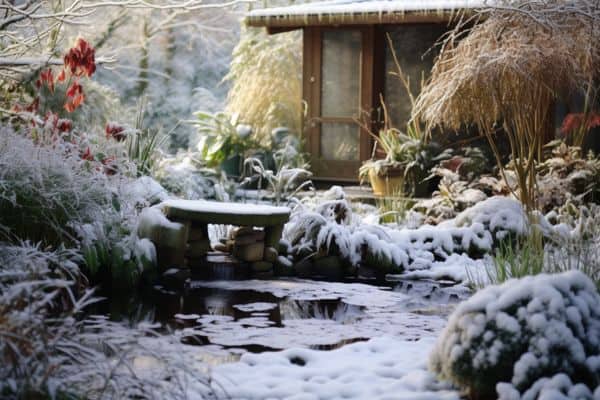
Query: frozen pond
[[235, 317], [304, 339]]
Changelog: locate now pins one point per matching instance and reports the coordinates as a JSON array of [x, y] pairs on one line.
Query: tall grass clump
[[266, 81], [505, 73], [572, 244], [46, 192]]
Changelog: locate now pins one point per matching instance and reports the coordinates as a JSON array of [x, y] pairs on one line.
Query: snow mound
[[386, 368], [332, 228], [521, 331]]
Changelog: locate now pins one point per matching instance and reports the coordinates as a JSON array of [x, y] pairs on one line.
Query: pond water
[[230, 318]]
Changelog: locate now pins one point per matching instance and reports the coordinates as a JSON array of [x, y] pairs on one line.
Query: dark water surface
[[193, 310]]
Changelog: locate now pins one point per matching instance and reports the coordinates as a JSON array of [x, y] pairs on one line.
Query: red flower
[[115, 131], [110, 166], [64, 125], [80, 59], [74, 89], [87, 155], [62, 76], [75, 93], [46, 78], [71, 105], [34, 106], [575, 121]]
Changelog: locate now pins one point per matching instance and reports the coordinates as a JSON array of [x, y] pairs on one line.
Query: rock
[[303, 268], [167, 257], [330, 267], [261, 266], [283, 267], [198, 248], [221, 266], [263, 275], [242, 231], [283, 247], [197, 232], [270, 254], [273, 235], [255, 236], [250, 252], [175, 278], [380, 263], [221, 247]]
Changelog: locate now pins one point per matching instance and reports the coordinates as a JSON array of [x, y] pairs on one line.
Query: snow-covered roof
[[342, 12]]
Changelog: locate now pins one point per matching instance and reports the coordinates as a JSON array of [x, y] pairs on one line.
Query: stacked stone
[[250, 245], [198, 243]]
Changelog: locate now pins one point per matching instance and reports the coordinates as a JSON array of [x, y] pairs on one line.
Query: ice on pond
[[255, 307]]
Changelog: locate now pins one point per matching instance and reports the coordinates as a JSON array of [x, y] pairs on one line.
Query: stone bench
[[188, 243]]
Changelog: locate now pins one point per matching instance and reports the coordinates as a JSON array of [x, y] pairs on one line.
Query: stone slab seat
[[214, 212]]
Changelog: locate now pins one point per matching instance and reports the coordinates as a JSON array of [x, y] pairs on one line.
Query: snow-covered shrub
[[558, 387], [498, 215], [332, 228], [521, 331]]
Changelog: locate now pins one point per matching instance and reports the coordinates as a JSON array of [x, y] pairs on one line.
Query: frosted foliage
[[184, 176], [521, 331], [558, 387], [331, 226], [43, 188], [54, 355], [49, 194]]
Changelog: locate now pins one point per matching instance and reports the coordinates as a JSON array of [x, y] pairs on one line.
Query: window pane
[[339, 141], [410, 42], [340, 73]]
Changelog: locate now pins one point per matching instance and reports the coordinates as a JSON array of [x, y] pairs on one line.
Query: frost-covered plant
[[521, 331], [567, 175], [45, 192], [54, 196], [575, 242], [186, 176], [331, 228], [266, 81], [285, 181], [517, 259], [48, 351], [559, 387], [221, 137], [464, 180], [143, 143]]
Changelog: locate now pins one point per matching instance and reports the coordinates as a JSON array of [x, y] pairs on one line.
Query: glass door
[[338, 95]]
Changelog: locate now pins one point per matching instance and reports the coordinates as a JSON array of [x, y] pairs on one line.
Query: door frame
[[371, 85]]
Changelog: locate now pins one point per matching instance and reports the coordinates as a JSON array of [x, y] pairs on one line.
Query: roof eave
[[361, 18]]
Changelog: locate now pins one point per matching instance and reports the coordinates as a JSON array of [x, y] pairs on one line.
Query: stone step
[[217, 265]]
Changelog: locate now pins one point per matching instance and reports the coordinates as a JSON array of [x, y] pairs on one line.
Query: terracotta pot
[[389, 184]]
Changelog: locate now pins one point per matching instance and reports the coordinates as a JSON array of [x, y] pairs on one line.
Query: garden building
[[347, 62]]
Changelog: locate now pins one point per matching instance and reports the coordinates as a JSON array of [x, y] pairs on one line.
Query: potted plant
[[404, 168]]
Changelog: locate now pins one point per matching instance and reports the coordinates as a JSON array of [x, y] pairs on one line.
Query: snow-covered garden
[[162, 234]]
